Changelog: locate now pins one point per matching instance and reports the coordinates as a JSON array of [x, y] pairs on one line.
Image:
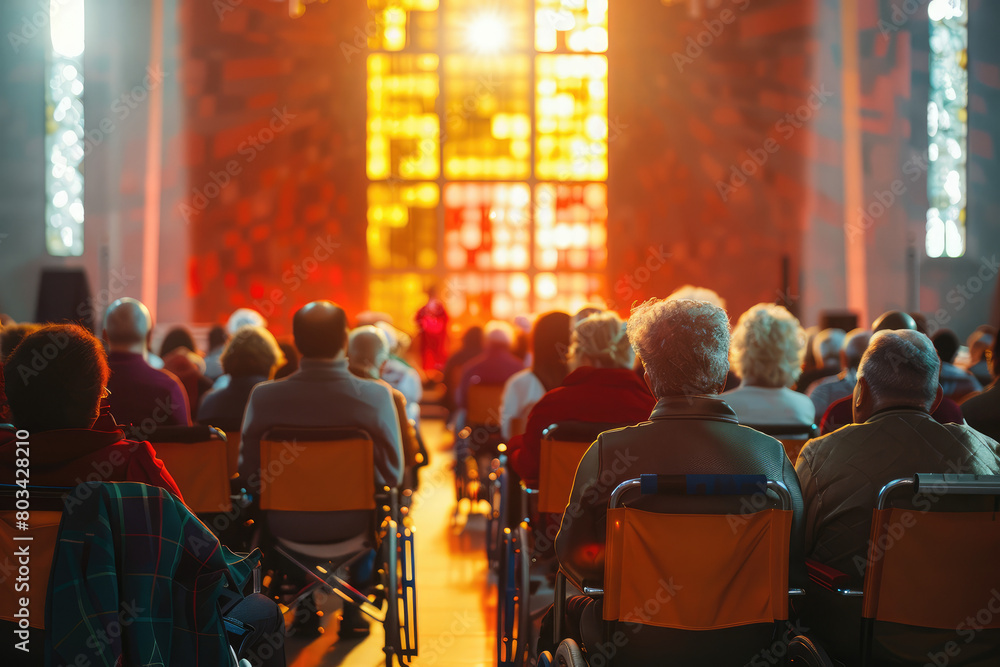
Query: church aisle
[[455, 597]]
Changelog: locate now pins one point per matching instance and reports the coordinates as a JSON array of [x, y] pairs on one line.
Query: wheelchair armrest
[[830, 578]]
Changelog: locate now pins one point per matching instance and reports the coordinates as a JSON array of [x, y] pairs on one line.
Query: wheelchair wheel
[[569, 655], [512, 610], [804, 652], [390, 565], [496, 495]]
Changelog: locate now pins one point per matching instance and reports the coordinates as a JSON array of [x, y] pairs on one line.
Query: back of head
[[892, 320], [320, 330], [826, 346], [979, 342], [855, 344], [243, 317], [946, 344], [549, 346], [583, 314], [768, 346], [217, 337], [601, 341], [127, 323], [694, 293], [920, 323], [11, 336], [901, 368], [499, 335], [367, 348], [291, 359], [55, 378], [251, 352], [176, 338], [473, 338], [683, 344]]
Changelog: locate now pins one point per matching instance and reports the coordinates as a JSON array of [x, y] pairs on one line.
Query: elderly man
[[825, 391], [825, 351], [893, 436], [367, 353], [141, 395], [322, 393], [684, 346]]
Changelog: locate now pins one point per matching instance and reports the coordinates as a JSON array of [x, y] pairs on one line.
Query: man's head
[[946, 344], [55, 379], [217, 337], [127, 325], [320, 330], [899, 369], [252, 352], [683, 344], [892, 320], [855, 344], [367, 351], [499, 335], [826, 347]]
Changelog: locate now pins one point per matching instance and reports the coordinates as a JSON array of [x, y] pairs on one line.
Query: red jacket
[[71, 456], [600, 395]]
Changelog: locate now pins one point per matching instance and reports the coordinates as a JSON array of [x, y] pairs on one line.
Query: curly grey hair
[[768, 346], [684, 345]]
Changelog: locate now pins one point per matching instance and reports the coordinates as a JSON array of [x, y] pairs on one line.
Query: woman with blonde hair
[[767, 350], [601, 388]]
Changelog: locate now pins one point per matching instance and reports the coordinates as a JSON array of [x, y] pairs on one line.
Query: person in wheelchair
[[59, 403], [684, 346], [894, 436], [600, 388], [324, 393]]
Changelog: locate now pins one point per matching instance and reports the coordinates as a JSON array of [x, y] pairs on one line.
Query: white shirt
[[765, 406], [520, 393]]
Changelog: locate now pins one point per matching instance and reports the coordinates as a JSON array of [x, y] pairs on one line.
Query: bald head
[[127, 324], [320, 330], [893, 320]]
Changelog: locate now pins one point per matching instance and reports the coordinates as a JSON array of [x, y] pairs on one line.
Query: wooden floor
[[456, 602]]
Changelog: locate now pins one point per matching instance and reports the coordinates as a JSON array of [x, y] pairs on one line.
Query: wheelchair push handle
[[703, 485], [942, 485]]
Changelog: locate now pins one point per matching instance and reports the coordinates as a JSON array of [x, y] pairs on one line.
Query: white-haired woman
[[601, 388], [768, 345]]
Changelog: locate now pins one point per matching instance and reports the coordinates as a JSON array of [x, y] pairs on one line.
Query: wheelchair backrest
[[317, 470], [483, 405], [704, 571], [198, 460], [562, 447]]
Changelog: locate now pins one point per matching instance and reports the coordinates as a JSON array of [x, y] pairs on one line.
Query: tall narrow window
[[487, 155], [64, 133], [947, 127]]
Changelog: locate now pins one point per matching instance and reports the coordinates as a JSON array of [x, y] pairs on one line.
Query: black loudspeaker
[[64, 296], [838, 319]]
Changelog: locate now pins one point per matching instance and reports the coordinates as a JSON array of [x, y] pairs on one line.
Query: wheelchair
[[723, 576], [293, 509], [525, 544], [48, 503], [931, 593]]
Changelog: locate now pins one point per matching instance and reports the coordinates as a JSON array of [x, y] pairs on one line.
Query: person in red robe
[[432, 320]]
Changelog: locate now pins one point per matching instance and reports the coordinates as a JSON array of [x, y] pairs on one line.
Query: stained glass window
[[487, 155], [947, 127], [64, 131]]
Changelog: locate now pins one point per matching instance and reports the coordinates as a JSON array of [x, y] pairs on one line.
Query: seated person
[[549, 343], [826, 390], [956, 383], [979, 343], [840, 413], [367, 353], [58, 403], [767, 351], [217, 339], [251, 356], [470, 348], [825, 351], [494, 366], [601, 388], [180, 356], [684, 346], [324, 393], [141, 395], [893, 437], [982, 411], [398, 373]]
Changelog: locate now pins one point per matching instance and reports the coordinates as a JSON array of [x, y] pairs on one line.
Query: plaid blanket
[[137, 580]]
